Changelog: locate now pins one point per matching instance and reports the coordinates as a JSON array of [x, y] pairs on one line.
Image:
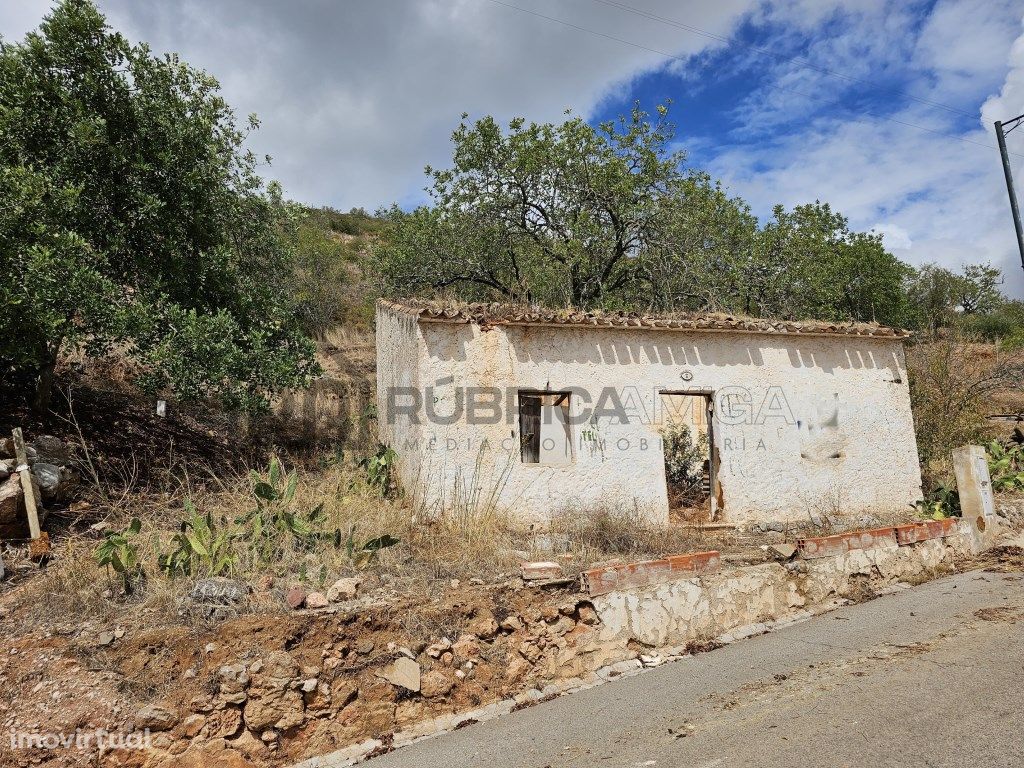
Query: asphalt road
[[931, 676]]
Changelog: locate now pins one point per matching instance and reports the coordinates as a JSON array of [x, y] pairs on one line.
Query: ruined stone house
[[544, 413]]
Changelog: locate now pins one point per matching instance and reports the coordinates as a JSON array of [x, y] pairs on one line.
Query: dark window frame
[[530, 408]]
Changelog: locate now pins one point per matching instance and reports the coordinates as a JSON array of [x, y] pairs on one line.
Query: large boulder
[[49, 477], [11, 500], [215, 598], [218, 591], [56, 483]]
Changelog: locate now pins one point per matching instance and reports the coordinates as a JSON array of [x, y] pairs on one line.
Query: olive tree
[[608, 216], [808, 263], [548, 213]]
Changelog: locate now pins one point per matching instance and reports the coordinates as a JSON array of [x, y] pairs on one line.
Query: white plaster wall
[[795, 403], [399, 348]]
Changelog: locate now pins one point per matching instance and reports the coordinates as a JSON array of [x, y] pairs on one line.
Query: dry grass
[[593, 535], [467, 542], [460, 545]]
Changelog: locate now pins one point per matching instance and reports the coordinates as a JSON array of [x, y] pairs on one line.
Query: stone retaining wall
[[693, 608]]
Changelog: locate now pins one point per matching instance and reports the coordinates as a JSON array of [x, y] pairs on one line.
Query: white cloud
[[963, 45], [356, 97], [934, 198], [895, 237], [17, 18]]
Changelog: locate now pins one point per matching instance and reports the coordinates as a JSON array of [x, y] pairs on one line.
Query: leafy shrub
[[1004, 321], [200, 546], [120, 553], [684, 463], [1006, 466], [276, 521], [380, 470], [941, 502], [133, 219], [950, 389], [363, 555]]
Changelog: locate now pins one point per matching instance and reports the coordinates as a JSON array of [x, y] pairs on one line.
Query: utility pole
[[1001, 136]]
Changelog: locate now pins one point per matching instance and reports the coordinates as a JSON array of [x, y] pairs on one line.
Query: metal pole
[[1009, 188]]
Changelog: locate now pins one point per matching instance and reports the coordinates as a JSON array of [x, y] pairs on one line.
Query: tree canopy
[[609, 216], [550, 213], [132, 217]]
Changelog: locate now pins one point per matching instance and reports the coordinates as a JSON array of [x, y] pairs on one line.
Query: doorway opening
[[691, 461]]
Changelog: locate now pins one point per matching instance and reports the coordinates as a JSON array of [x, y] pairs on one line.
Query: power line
[[800, 62], [766, 85]]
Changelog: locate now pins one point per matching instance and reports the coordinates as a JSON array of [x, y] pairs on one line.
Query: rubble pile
[[54, 481]]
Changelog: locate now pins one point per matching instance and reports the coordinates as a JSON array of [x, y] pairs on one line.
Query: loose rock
[[403, 673], [466, 647], [295, 596], [343, 589], [435, 683], [782, 551], [49, 478], [364, 647], [218, 591], [511, 623], [11, 500], [192, 725], [51, 449], [316, 600], [233, 678], [483, 624], [434, 650], [155, 718], [588, 614], [539, 571]]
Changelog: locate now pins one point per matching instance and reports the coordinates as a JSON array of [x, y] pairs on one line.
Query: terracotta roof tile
[[508, 314]]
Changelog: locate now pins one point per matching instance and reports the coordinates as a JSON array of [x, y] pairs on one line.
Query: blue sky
[[874, 107], [882, 108], [720, 96]]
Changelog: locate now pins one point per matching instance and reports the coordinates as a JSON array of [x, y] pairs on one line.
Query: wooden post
[[26, 483]]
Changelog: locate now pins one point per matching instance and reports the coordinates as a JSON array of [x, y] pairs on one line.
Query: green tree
[[549, 213], [700, 250], [607, 216], [941, 298], [932, 292], [324, 263], [132, 217], [808, 263], [979, 288]]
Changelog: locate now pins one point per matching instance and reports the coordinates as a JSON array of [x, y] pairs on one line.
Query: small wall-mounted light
[[686, 375]]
